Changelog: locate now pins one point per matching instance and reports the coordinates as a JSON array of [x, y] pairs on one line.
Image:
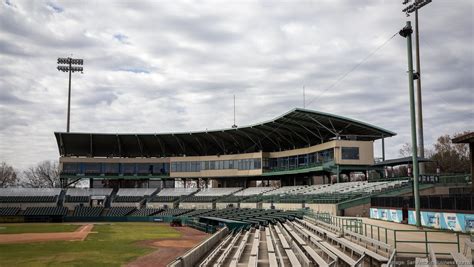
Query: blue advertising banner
[[459, 222], [392, 215]]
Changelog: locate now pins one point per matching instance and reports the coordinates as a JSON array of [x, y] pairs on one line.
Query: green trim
[[295, 171]]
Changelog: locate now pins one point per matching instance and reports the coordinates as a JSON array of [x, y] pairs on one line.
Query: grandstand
[[300, 147], [29, 197], [131, 196]]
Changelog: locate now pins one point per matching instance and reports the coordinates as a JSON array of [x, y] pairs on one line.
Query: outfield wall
[[459, 222]]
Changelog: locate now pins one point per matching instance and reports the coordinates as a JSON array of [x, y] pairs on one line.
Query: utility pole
[[419, 111], [407, 32], [304, 98], [234, 125], [69, 68]]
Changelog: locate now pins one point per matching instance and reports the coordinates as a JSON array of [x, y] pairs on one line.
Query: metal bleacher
[[301, 242], [29, 195], [131, 195]]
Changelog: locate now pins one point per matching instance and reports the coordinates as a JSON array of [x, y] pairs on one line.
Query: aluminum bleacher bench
[[361, 250], [366, 240], [462, 258], [369, 241], [238, 253]]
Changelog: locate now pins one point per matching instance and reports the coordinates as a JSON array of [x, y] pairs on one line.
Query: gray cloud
[[174, 66]]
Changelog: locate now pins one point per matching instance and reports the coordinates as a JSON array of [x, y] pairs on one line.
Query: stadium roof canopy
[[297, 128], [400, 161]]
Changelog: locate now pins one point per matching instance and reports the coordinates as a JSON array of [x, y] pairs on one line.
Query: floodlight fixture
[[68, 67]]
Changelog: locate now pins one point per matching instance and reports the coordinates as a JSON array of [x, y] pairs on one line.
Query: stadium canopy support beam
[[383, 148], [407, 32]]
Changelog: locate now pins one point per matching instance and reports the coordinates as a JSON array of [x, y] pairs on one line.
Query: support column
[[471, 149], [383, 148], [407, 32]]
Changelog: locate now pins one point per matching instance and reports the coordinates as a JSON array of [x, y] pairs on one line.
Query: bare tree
[[8, 176], [451, 158], [45, 174]]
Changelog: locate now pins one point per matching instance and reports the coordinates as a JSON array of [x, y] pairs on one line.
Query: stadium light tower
[[68, 67], [410, 8], [406, 32]]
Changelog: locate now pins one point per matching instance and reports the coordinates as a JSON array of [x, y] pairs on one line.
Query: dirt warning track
[[169, 249], [78, 235]]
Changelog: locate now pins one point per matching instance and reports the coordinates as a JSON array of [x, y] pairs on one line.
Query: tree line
[[44, 175], [445, 156]]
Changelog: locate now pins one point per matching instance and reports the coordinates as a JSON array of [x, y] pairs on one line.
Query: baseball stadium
[[305, 188], [302, 189]]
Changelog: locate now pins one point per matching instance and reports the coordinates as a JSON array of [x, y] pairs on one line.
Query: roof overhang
[[400, 161], [297, 128], [464, 139]]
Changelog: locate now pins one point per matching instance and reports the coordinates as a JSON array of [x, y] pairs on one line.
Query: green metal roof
[[297, 128]]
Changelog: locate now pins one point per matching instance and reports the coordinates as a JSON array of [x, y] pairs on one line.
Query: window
[[350, 153], [128, 168], [293, 161], [144, 168], [174, 167], [71, 168]]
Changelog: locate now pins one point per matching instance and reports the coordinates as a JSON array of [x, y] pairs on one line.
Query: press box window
[[350, 153]]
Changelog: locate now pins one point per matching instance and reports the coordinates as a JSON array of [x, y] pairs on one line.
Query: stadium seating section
[[45, 211], [292, 242], [120, 211], [29, 195], [146, 212], [78, 200], [9, 211], [133, 194], [164, 199], [174, 212], [88, 211]]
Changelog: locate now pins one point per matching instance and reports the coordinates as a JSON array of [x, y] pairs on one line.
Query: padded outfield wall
[[459, 222]]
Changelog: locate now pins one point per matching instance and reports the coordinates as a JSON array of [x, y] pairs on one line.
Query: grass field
[[113, 245]]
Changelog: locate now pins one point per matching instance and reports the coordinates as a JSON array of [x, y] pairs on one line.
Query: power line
[[331, 86], [353, 68]]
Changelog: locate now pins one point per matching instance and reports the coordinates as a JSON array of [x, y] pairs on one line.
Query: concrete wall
[[223, 205], [196, 205], [251, 205], [366, 152], [323, 208], [157, 205], [362, 210], [192, 257], [283, 206]]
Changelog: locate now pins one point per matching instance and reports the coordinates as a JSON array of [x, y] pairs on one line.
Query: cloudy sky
[[167, 66]]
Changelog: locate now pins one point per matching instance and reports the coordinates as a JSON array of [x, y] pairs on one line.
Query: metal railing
[[394, 237]]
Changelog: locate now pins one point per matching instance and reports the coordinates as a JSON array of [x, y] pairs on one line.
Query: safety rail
[[392, 260], [192, 257], [240, 249], [394, 237]]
